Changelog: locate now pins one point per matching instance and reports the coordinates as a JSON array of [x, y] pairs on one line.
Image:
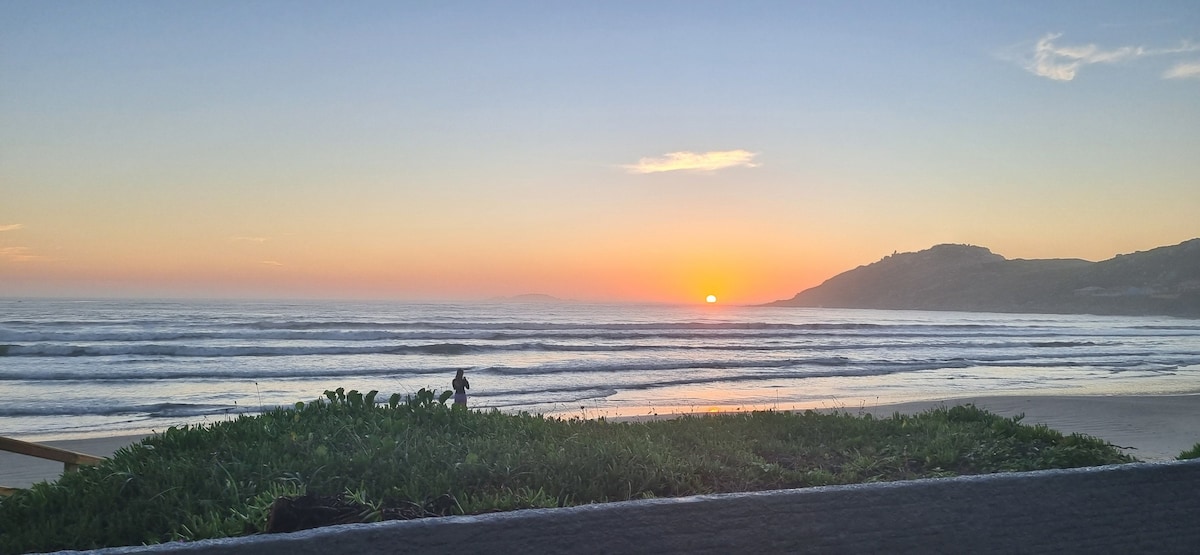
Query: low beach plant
[[419, 457], [1193, 453]]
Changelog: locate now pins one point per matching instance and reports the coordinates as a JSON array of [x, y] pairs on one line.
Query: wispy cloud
[[698, 161], [271, 263], [1183, 70], [11, 227], [245, 239], [19, 254], [1062, 62]]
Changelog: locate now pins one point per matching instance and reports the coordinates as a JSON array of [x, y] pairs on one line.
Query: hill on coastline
[[1161, 281]]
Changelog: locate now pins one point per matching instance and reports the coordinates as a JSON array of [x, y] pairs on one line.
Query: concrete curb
[[1131, 508]]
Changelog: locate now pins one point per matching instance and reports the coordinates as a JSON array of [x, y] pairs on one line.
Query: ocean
[[73, 369]]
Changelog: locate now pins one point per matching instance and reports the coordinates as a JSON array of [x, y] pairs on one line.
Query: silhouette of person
[[461, 385]]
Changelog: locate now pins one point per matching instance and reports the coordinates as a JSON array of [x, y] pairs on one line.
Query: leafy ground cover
[[419, 457]]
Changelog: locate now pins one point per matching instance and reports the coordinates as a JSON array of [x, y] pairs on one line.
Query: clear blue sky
[[462, 150]]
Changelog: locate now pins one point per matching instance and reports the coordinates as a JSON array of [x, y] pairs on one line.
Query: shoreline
[[1148, 427]]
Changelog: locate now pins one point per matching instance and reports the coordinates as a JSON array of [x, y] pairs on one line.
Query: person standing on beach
[[461, 385]]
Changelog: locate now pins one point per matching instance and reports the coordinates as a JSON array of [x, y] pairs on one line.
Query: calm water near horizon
[[86, 368]]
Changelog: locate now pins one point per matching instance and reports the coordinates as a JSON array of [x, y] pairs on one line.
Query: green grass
[[1193, 453], [220, 480]]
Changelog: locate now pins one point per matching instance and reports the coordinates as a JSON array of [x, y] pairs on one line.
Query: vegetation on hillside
[[419, 457]]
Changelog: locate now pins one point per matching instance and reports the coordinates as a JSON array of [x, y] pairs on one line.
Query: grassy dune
[[417, 456]]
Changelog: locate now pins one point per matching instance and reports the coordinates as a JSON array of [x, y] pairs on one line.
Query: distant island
[[528, 298], [1161, 281]]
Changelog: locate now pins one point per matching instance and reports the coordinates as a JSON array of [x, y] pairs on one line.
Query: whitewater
[[74, 368]]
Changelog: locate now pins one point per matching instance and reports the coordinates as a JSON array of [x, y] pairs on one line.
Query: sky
[[601, 151]]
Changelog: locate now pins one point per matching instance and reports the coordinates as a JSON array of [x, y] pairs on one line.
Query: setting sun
[[710, 299]]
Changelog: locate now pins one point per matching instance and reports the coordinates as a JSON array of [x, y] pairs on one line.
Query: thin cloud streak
[[1062, 63], [271, 263], [11, 227], [684, 160], [1183, 70], [250, 239], [19, 254]]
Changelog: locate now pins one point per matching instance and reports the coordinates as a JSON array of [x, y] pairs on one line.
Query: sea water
[[86, 368]]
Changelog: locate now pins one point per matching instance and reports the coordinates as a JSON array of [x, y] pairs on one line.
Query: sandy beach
[[21, 471], [1149, 427]]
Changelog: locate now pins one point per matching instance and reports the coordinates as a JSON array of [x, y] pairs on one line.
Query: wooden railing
[[70, 459]]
